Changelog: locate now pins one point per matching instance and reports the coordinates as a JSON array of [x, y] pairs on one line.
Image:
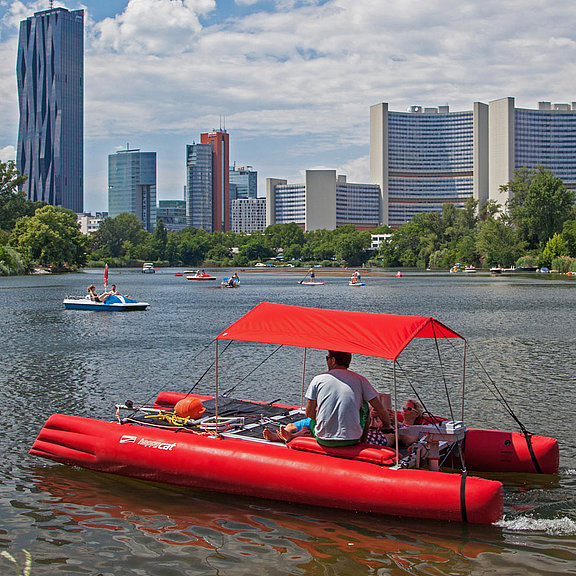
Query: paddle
[[300, 281]]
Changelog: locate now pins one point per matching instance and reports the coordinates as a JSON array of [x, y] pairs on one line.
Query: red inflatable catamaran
[[223, 449]]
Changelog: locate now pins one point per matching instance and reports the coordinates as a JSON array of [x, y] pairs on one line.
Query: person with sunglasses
[[337, 403]]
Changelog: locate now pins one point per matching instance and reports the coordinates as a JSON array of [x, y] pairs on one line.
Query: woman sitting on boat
[[93, 295]]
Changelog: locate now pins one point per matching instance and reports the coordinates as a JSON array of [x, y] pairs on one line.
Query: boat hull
[[266, 470], [83, 304]]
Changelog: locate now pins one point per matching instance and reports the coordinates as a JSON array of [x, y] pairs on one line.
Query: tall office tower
[[207, 182], [324, 201], [220, 142], [246, 181], [199, 186], [50, 74], [427, 157], [529, 138], [132, 185]]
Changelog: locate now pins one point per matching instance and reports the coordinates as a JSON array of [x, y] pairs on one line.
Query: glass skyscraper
[[208, 182], [199, 186], [132, 185], [50, 74]]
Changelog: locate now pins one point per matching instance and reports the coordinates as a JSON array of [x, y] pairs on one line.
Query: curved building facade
[[427, 157]]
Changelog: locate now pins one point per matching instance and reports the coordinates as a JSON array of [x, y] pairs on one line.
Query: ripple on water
[[553, 526]]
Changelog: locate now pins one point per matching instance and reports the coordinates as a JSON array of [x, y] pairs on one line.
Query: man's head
[[338, 358]]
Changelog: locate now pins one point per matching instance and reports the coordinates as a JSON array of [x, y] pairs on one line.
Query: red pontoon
[[224, 449]]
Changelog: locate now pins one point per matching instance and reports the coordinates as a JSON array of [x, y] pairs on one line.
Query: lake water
[[75, 522]]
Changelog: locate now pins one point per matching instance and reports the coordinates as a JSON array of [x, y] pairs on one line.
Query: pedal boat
[[224, 449], [111, 304]]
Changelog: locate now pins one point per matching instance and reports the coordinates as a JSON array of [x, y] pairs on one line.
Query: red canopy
[[381, 335]]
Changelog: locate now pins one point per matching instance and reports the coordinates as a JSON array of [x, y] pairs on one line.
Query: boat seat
[[380, 455]]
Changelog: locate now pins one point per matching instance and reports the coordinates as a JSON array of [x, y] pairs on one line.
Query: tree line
[[536, 228]]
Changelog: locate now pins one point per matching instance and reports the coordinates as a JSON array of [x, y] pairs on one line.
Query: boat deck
[[236, 417]]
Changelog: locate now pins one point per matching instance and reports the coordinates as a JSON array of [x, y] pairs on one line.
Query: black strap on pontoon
[[500, 397], [463, 496]]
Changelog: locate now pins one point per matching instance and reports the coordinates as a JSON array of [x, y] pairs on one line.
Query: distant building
[[50, 75], [324, 201], [529, 138], [90, 224], [426, 157], [132, 185], [172, 213], [207, 182], [245, 182], [248, 214]]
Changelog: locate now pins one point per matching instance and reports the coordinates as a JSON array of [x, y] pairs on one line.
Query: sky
[[292, 81]]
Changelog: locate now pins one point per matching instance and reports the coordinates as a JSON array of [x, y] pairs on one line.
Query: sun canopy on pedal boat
[[369, 334]]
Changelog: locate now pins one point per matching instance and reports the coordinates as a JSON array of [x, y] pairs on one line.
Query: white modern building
[[426, 157], [324, 201], [521, 137], [248, 215], [89, 224]]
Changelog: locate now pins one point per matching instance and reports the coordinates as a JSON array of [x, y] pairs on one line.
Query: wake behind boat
[[220, 447]]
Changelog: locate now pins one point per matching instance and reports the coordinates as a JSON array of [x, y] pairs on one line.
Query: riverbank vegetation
[[536, 228]]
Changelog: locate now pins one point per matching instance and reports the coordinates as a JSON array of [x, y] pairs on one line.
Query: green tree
[[13, 202], [256, 249], [51, 237], [284, 235], [540, 204], [499, 242], [159, 240], [109, 240], [569, 236], [554, 248]]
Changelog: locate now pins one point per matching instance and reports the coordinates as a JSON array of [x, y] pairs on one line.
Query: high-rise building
[[521, 137], [427, 157], [199, 186], [172, 213], [324, 201], [207, 182], [248, 214], [50, 74], [246, 182], [132, 185]]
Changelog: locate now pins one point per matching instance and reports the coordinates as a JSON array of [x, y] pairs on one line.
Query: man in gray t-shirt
[[336, 402]]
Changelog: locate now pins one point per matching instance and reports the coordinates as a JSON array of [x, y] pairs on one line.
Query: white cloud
[[153, 27], [7, 153], [295, 84]]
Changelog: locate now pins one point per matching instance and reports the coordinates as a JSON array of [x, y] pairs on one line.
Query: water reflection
[[225, 531]]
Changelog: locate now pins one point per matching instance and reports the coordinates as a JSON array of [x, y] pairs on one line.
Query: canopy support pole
[[303, 379], [463, 380], [217, 392], [396, 414]]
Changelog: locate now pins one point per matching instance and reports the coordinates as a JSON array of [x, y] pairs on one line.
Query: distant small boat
[[230, 282], [148, 268], [398, 274], [356, 283], [178, 274], [311, 282], [496, 270], [201, 277], [111, 304]]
